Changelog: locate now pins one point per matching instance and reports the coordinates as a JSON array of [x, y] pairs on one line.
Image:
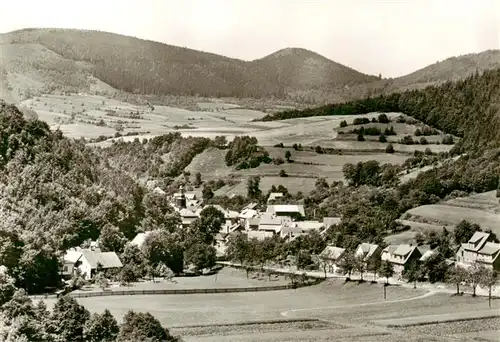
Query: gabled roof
[[478, 240], [477, 236], [254, 221], [367, 250], [106, 259], [158, 190], [330, 221], [390, 249], [251, 206], [490, 248], [424, 249], [274, 195], [332, 252], [309, 225], [427, 254], [286, 208], [403, 250], [247, 213], [140, 238], [188, 213]]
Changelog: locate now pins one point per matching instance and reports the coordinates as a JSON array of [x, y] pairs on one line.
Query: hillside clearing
[[451, 215]]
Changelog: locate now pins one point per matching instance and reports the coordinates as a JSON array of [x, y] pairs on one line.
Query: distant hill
[[147, 67], [451, 69], [42, 60]]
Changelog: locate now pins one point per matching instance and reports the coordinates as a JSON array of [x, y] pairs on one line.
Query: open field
[[483, 209], [345, 313], [92, 116], [450, 214]]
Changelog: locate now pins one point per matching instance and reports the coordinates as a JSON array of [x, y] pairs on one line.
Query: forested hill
[[147, 67], [468, 108]]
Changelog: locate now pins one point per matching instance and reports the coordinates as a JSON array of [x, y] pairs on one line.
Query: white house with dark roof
[[370, 254], [400, 256], [479, 249], [88, 261], [331, 257]]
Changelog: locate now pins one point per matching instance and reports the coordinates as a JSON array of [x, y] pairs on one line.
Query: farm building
[[479, 249], [370, 254], [260, 234], [273, 196], [400, 256], [331, 257], [88, 261], [290, 210], [271, 223]]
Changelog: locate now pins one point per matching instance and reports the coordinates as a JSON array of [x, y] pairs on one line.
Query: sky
[[392, 38]]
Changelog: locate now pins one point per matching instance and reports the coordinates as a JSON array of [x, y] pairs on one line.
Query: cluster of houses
[[286, 221], [479, 249]]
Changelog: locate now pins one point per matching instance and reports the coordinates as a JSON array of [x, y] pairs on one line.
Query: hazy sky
[[388, 37]]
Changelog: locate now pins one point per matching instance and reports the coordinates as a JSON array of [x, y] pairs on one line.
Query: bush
[[418, 132], [343, 123], [447, 140], [283, 173], [390, 131], [382, 118], [279, 145], [361, 137], [389, 149], [407, 140], [382, 138], [423, 141], [360, 121], [318, 150]]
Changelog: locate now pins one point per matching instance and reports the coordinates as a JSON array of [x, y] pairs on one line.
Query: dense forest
[[467, 108], [146, 67]]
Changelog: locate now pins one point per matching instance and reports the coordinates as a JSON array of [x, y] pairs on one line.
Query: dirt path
[[427, 294]]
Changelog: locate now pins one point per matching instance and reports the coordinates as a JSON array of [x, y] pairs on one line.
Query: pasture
[[92, 116], [483, 209], [332, 309]]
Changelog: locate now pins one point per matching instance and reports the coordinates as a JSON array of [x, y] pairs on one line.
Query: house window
[[65, 269]]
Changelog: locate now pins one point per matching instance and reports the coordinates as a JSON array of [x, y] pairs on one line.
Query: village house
[[191, 200], [400, 256], [331, 257], [370, 255], [259, 234], [291, 210], [296, 229], [89, 261], [140, 238], [274, 224], [252, 224], [273, 196], [479, 249]]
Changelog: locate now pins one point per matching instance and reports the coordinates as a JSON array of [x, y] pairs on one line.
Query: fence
[[191, 291]]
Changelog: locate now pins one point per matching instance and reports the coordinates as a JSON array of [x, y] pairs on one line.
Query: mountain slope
[[140, 66]]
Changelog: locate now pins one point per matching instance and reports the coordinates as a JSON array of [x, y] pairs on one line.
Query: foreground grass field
[[346, 312]]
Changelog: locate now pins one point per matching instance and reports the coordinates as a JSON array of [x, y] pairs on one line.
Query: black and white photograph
[[249, 170]]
